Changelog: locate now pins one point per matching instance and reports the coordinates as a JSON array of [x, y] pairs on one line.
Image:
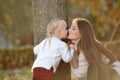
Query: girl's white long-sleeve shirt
[[50, 52], [81, 71]]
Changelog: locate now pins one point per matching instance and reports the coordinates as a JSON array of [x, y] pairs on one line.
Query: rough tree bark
[[43, 12]]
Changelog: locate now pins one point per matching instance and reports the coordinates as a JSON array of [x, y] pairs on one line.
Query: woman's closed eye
[[73, 28]]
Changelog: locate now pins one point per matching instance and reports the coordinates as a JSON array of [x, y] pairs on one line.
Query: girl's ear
[[58, 33]]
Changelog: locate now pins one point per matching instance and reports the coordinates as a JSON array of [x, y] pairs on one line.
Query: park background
[[17, 39]]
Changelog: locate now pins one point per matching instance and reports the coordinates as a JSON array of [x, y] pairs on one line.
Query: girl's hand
[[72, 45]]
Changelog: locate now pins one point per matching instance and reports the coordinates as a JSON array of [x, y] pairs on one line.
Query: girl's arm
[[36, 49], [66, 53]]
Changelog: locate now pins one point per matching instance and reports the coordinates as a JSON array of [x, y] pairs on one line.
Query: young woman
[[91, 61]]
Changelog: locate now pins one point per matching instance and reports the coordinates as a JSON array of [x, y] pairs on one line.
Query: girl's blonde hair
[[53, 25]]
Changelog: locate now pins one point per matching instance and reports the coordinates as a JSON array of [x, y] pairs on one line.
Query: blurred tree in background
[[15, 23]]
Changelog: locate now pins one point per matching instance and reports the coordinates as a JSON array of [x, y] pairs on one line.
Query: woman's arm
[[116, 66]]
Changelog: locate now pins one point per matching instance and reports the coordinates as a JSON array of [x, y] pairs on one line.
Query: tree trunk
[[43, 12]]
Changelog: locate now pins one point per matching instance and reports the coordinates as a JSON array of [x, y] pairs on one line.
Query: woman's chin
[[70, 37]]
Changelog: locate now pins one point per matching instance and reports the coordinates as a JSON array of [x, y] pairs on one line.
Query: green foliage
[[16, 19], [16, 57]]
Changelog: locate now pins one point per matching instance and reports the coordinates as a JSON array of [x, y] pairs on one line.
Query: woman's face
[[74, 32]]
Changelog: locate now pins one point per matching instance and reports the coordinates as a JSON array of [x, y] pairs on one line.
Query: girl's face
[[74, 32], [63, 32]]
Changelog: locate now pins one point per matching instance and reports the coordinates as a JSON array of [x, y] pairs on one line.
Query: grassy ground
[[16, 74]]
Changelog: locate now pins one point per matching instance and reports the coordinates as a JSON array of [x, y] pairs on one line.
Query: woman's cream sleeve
[[81, 71], [116, 66]]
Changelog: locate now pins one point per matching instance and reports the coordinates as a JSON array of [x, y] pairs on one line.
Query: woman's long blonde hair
[[93, 51]]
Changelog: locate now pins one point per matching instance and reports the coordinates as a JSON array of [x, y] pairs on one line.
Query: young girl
[[51, 50]]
